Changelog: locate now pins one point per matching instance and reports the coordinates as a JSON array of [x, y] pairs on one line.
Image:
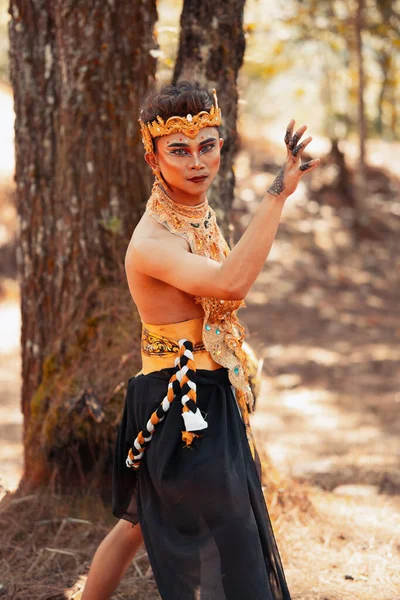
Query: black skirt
[[201, 509]]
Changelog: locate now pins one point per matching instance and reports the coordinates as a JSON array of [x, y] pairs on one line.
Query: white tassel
[[194, 421]]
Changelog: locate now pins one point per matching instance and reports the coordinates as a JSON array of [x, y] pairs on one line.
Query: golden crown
[[189, 125]]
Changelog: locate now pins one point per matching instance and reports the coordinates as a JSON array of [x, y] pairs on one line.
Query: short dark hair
[[176, 100]]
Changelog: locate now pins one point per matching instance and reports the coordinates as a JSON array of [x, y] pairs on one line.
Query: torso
[[158, 302]]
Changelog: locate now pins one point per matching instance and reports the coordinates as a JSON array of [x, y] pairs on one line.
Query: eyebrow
[[184, 145]]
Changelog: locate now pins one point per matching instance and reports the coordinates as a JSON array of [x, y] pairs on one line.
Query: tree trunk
[[211, 50], [78, 70], [361, 216], [384, 61], [394, 114]]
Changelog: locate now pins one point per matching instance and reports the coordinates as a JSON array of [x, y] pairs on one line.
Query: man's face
[[181, 159]]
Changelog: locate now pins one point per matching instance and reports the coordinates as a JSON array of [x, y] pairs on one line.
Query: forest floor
[[324, 315]]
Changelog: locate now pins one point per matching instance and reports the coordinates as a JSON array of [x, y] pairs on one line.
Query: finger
[[299, 149], [289, 131], [296, 137], [311, 164]]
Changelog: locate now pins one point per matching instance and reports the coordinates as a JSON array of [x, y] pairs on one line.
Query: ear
[[221, 142], [151, 159]]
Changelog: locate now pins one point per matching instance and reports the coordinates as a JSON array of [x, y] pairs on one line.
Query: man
[[194, 497]]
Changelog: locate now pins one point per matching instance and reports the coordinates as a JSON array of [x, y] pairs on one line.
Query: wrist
[[282, 195]]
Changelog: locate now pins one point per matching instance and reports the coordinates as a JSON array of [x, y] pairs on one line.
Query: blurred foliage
[[299, 57], [331, 26], [313, 42]]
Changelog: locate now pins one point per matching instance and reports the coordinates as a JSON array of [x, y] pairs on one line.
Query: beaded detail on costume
[[160, 344], [223, 334]]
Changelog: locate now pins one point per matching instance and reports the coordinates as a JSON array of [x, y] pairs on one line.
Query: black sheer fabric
[[202, 511]]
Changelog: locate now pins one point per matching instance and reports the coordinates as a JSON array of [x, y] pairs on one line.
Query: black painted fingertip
[[297, 149], [305, 166], [294, 141]]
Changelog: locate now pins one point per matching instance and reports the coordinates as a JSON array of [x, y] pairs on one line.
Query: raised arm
[[164, 257]]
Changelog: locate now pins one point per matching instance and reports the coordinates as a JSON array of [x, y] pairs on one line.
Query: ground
[[324, 315]]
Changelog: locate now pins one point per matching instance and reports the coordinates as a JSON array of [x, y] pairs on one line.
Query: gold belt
[[160, 345]]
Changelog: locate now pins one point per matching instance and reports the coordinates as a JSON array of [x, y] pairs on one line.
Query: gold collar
[[197, 212]]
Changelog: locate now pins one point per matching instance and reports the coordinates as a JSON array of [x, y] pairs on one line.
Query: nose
[[196, 162]]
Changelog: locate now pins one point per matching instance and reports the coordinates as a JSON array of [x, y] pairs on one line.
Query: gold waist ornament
[[160, 345]]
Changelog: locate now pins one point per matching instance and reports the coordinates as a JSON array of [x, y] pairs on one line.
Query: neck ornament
[[184, 211]]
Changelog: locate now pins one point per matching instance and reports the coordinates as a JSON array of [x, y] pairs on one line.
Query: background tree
[[211, 50], [333, 28], [385, 35], [78, 71], [361, 173], [348, 33]]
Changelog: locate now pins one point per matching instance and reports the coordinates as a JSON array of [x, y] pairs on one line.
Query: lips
[[197, 179]]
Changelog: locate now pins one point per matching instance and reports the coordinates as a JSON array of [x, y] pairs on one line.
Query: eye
[[205, 148], [209, 146], [178, 150]]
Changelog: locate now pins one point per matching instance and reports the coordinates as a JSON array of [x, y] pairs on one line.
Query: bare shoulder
[[148, 231]]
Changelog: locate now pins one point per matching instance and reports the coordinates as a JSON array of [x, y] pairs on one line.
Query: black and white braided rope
[[182, 382]]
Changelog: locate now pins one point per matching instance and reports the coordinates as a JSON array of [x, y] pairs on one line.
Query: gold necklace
[[197, 211], [197, 224]]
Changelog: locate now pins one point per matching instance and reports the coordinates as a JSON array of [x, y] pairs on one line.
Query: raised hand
[[288, 177]]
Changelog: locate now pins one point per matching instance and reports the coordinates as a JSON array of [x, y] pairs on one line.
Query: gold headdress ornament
[[189, 125]]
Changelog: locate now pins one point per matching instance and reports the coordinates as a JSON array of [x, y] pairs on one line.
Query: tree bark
[[361, 216], [78, 69], [384, 61], [211, 50]]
